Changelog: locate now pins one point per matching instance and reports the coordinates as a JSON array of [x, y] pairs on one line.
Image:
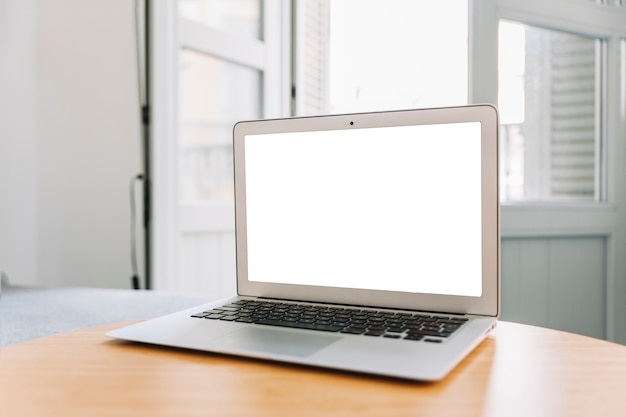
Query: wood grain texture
[[520, 371]]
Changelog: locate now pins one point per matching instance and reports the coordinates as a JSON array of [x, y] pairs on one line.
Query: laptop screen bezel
[[488, 304]]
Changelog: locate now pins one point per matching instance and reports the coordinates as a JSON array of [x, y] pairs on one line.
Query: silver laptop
[[365, 242]]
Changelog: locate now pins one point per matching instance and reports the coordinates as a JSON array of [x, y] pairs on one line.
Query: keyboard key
[[245, 320], [298, 325], [353, 330], [396, 329], [429, 333]]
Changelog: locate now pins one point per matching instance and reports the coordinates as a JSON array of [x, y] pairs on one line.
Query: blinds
[[311, 57], [574, 119], [561, 128]]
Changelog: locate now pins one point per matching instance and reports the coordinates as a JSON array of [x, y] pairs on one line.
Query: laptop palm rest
[[276, 342]]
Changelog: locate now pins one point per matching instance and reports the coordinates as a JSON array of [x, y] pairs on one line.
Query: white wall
[[69, 132], [18, 137]]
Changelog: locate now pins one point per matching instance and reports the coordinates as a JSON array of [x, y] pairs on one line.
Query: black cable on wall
[[142, 33]]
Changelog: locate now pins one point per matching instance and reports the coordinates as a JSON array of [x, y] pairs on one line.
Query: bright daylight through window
[[214, 95], [387, 57], [550, 113]]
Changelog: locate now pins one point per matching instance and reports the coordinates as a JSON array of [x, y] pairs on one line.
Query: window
[[213, 62], [236, 17], [550, 84], [382, 57], [214, 95]]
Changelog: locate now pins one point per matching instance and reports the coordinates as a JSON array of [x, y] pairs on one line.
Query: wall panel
[[555, 282]]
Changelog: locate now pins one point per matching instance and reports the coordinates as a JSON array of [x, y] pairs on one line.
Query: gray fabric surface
[[27, 313]]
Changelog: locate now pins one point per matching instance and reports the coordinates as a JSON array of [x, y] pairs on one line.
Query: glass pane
[[549, 111], [238, 17], [214, 95], [397, 54]]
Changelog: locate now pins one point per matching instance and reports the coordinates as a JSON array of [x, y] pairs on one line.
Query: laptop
[[365, 242]]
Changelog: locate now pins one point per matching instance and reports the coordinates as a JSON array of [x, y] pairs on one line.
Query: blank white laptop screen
[[367, 208]]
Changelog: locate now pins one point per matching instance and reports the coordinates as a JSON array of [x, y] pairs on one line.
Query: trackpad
[[276, 341]]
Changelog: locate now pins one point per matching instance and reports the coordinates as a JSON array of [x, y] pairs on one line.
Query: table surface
[[519, 370]]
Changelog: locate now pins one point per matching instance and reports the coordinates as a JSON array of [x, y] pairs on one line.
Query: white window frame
[[520, 218], [170, 33], [545, 220]]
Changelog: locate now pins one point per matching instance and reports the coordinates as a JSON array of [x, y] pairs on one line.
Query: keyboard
[[366, 322]]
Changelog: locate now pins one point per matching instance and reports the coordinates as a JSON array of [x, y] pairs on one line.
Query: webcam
[[351, 123]]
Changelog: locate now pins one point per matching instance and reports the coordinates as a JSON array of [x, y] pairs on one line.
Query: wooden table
[[519, 371]]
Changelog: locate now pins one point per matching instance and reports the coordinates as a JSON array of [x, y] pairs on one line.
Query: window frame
[[170, 33], [582, 19], [600, 125], [605, 218]]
